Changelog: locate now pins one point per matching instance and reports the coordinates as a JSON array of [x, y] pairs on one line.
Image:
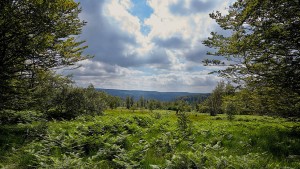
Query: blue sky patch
[[142, 10], [145, 29]]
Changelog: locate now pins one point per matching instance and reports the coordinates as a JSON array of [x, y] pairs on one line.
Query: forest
[[250, 120]]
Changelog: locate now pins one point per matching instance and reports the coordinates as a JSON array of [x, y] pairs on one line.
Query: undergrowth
[[125, 139]]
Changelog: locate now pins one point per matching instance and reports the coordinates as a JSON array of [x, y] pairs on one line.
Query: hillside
[[161, 96]]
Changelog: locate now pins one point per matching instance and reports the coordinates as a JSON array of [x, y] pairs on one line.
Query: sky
[[153, 45]]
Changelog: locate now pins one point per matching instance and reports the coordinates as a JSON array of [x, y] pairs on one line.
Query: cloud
[[197, 55], [113, 35], [168, 82], [164, 57], [193, 6], [170, 43], [105, 41]]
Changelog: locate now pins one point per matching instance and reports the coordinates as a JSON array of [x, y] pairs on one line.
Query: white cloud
[[172, 81], [118, 12], [163, 24], [126, 3], [167, 59]]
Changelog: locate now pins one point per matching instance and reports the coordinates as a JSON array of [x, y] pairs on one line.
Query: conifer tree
[[264, 47]]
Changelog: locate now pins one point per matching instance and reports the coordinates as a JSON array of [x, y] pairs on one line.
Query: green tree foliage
[[35, 35], [244, 102], [184, 124], [194, 100], [263, 101], [250, 101], [203, 107], [50, 93], [129, 101], [113, 101], [264, 45], [94, 101], [263, 52], [77, 101], [213, 104], [151, 105], [55, 97], [142, 102], [229, 107], [215, 99], [179, 106], [154, 104]]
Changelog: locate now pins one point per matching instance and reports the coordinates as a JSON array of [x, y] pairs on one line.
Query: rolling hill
[[161, 96]]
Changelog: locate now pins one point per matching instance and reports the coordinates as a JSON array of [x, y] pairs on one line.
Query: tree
[[213, 104], [151, 105], [94, 103], [203, 107], [179, 106], [229, 107], [215, 99], [56, 98], [142, 102], [113, 101], [36, 35], [129, 102], [50, 93], [264, 47]]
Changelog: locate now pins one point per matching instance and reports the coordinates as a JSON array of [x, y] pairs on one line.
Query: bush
[[229, 107], [95, 102], [75, 103], [156, 115], [58, 99], [14, 117], [184, 123], [72, 102], [203, 107]]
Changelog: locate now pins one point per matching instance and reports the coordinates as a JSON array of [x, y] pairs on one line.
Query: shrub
[[14, 117], [184, 123], [230, 109], [156, 115], [73, 102]]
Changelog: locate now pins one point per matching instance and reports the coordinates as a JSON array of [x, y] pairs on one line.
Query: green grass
[[126, 139]]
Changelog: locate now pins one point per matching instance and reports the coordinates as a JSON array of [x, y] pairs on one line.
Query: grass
[[126, 139]]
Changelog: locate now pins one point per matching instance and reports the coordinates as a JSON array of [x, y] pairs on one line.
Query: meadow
[[160, 139]]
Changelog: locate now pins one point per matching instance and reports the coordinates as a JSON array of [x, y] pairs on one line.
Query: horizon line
[[152, 91]]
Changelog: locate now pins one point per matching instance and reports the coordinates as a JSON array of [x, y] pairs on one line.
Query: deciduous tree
[[36, 35]]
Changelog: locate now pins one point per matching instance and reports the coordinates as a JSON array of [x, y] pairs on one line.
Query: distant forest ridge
[[161, 96]]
